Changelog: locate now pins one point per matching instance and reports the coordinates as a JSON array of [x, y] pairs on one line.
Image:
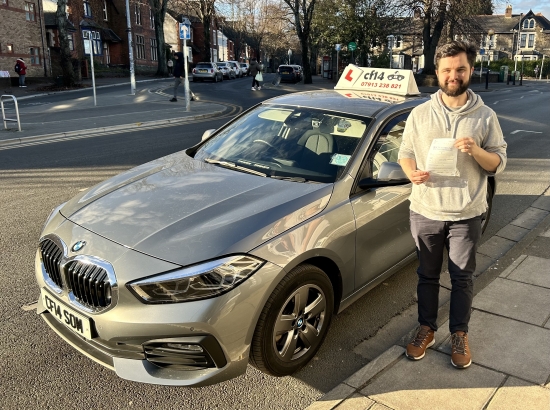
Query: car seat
[[318, 147]]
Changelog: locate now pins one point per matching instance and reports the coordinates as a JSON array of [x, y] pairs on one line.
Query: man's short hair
[[453, 48]]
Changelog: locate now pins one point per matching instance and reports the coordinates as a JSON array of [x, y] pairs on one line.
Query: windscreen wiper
[[231, 165], [292, 179]]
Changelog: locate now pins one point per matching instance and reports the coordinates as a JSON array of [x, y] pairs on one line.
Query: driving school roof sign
[[383, 80]]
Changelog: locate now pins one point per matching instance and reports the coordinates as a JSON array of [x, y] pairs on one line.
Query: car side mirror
[[389, 174], [207, 134]]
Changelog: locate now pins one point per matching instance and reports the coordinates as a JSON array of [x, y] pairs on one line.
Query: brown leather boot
[[460, 351], [424, 338]]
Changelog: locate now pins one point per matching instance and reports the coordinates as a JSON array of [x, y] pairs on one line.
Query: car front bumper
[[131, 337]]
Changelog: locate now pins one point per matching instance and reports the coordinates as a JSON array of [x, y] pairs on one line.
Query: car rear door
[[383, 236]]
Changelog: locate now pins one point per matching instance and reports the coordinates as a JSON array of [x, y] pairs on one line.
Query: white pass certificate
[[442, 157]]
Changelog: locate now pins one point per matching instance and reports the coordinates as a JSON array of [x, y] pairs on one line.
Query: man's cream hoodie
[[463, 196]]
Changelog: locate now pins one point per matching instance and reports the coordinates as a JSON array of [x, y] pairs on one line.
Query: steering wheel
[[270, 146]]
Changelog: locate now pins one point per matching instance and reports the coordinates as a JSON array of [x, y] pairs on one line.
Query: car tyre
[[293, 322]]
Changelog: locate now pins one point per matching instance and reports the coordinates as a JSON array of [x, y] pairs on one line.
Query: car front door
[[383, 236]]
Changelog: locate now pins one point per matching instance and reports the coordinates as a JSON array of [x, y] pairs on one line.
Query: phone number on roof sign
[[380, 85]]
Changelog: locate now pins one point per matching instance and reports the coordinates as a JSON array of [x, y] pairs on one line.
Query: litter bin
[[59, 80], [503, 75]]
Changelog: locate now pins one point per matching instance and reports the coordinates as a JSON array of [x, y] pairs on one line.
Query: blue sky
[[523, 6]]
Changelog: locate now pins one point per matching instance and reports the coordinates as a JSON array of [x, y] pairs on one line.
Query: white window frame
[[137, 12], [140, 47], [105, 15], [35, 57], [30, 11], [87, 8], [531, 40], [154, 49], [152, 18]]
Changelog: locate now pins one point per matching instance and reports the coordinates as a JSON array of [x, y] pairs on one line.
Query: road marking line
[[534, 132]]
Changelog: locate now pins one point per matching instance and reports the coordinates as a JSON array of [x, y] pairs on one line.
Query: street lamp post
[[289, 54], [390, 46], [490, 33]]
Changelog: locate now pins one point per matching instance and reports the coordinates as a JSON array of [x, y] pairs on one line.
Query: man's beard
[[462, 88]]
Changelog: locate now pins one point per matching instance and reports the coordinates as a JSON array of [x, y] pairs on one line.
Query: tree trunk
[[158, 8], [207, 44], [431, 41], [66, 58]]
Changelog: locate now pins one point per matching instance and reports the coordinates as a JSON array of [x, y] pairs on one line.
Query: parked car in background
[[207, 71], [288, 73], [244, 68], [237, 67], [299, 71], [483, 71], [227, 70]]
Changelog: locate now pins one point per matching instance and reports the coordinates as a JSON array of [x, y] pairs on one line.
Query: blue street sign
[[481, 51], [185, 32]]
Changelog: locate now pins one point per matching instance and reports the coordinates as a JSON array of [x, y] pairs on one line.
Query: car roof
[[367, 104]]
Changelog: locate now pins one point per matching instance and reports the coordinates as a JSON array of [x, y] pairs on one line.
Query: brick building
[[22, 36]]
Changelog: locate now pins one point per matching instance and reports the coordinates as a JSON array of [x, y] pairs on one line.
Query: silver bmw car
[[237, 250]]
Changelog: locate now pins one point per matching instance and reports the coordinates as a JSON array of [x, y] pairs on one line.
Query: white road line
[[534, 132]]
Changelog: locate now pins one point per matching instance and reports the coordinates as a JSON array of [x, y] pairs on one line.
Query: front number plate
[[75, 321]]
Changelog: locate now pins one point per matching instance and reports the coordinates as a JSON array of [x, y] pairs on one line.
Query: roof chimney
[[508, 13]]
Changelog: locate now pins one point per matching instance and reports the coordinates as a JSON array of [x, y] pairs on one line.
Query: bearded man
[[450, 145]]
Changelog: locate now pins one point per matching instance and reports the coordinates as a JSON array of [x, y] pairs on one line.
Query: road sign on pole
[[352, 46], [185, 31]]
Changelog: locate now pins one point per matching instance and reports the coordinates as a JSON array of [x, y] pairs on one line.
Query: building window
[[9, 48], [140, 47], [137, 12], [531, 40], [96, 41], [4, 3], [531, 23], [29, 12], [398, 41], [152, 18], [154, 50], [523, 39], [35, 55], [87, 9], [71, 41], [105, 16]]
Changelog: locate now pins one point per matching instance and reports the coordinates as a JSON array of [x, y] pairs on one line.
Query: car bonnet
[[187, 211]]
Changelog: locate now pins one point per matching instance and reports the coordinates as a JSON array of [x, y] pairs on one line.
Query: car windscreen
[[293, 142], [204, 66]]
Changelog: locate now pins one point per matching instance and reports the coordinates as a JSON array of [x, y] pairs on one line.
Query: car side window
[[386, 148]]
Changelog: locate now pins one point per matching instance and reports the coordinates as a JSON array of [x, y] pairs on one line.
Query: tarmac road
[[39, 369]]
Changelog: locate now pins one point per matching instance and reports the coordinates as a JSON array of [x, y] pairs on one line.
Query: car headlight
[[202, 281]]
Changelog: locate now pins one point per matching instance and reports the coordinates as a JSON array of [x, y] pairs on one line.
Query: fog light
[[183, 346]]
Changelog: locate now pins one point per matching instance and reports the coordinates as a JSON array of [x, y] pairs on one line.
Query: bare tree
[[205, 10], [302, 10], [66, 61]]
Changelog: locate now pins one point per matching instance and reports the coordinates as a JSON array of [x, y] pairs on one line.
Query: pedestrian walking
[[170, 65], [254, 71], [537, 71], [21, 69], [450, 145], [179, 72]]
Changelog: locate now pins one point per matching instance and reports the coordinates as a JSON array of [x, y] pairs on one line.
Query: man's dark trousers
[[461, 239]]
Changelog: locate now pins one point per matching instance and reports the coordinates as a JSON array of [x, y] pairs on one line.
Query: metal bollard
[[487, 80], [508, 79], [514, 79], [4, 119]]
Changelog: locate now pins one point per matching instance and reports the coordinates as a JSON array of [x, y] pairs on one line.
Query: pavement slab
[[496, 247], [333, 398], [357, 402], [530, 218], [507, 346], [433, 383], [508, 298], [513, 232], [533, 270], [519, 394], [543, 202]]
